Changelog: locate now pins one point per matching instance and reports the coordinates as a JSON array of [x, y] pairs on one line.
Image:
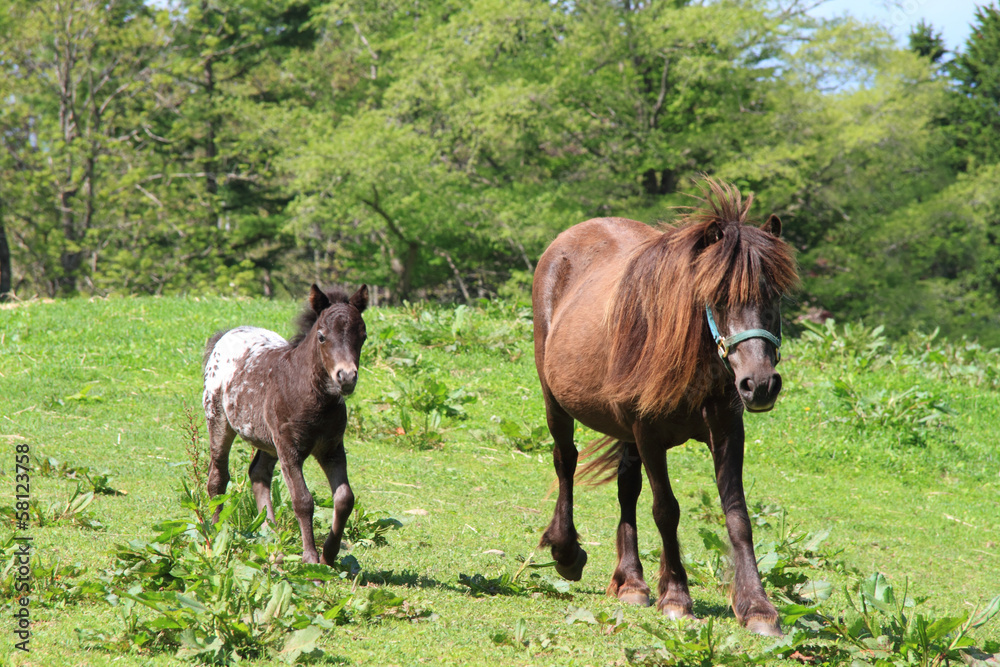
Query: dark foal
[[286, 398], [624, 317]]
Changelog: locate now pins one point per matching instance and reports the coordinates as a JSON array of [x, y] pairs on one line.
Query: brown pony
[[626, 343], [286, 399]]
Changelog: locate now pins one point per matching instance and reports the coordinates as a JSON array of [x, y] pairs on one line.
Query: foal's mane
[[307, 318], [659, 345]]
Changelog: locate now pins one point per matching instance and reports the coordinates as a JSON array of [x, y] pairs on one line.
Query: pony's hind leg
[[220, 437], [627, 583], [261, 473], [333, 460], [561, 533], [674, 598]]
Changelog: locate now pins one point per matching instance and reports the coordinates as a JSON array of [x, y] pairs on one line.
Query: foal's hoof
[[575, 571], [765, 627], [676, 612], [637, 598]]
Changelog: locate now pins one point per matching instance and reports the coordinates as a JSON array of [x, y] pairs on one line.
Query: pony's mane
[[307, 318], [660, 350]]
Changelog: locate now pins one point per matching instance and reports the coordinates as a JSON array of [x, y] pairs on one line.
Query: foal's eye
[[321, 337]]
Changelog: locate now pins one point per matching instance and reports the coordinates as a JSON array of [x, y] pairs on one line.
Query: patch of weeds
[[692, 643], [53, 584], [911, 414], [424, 432], [73, 511], [851, 347], [878, 628], [422, 402], [368, 529], [426, 394], [223, 592], [523, 437], [82, 396], [99, 483], [782, 561], [610, 624], [965, 361], [535, 584]]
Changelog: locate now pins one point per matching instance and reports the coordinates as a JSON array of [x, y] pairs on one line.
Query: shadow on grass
[[409, 580], [705, 609]]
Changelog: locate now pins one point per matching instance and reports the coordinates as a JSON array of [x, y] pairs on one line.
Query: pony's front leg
[[750, 603], [302, 501], [561, 533], [333, 460], [674, 598], [627, 583]]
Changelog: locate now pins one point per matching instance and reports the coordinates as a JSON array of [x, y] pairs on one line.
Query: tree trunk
[[4, 265], [406, 277]]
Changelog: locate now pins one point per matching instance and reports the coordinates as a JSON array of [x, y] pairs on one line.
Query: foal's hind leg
[[333, 460], [561, 533], [220, 437], [627, 583], [261, 473]]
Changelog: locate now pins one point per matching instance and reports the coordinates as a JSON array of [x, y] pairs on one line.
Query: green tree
[[975, 114], [927, 42], [75, 70]]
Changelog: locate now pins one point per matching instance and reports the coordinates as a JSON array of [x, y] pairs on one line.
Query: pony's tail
[[209, 346], [604, 455]]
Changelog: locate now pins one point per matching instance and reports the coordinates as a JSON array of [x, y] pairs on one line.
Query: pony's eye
[[321, 337]]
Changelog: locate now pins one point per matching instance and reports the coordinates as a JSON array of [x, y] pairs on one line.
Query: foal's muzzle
[[759, 395], [347, 379]]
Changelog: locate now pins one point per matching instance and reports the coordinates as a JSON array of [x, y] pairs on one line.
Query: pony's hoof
[[765, 627], [575, 571], [637, 598], [676, 612]]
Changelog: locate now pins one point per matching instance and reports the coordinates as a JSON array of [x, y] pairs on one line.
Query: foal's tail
[[603, 465], [209, 346]]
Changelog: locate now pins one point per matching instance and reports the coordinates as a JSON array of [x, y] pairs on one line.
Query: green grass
[[105, 384]]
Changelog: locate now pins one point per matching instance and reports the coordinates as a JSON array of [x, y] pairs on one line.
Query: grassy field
[[877, 458]]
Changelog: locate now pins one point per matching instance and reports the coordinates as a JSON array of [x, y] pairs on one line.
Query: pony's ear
[[773, 225], [360, 299], [713, 234], [317, 299]]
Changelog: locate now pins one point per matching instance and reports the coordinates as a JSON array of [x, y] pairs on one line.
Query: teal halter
[[725, 344]]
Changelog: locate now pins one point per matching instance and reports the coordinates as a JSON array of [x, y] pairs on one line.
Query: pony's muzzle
[[759, 396], [347, 378]]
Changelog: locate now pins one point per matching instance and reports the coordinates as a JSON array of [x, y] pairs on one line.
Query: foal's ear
[[773, 225], [713, 234], [360, 299], [317, 299]]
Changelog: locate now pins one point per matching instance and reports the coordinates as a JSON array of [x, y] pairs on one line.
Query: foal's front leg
[[750, 603], [302, 501], [333, 459]]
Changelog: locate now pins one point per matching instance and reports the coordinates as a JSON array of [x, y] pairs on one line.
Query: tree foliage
[[434, 148]]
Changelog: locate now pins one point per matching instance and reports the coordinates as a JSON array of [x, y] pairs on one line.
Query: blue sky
[[950, 17]]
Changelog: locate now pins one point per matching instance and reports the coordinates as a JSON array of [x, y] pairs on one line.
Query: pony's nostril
[[747, 386], [347, 377], [774, 385]]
